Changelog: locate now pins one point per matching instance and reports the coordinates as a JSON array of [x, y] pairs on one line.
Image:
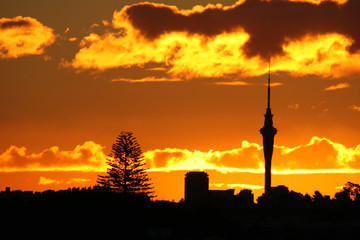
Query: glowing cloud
[[320, 155], [243, 159], [323, 154], [46, 181], [217, 41], [325, 55], [242, 83], [320, 1], [186, 56], [338, 86], [293, 106], [355, 108], [236, 185], [234, 83], [87, 157], [21, 36], [248, 186], [146, 79]]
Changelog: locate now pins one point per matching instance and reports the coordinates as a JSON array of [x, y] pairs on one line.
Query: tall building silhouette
[[196, 187], [268, 132]]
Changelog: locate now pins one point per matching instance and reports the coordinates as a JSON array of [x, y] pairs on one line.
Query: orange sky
[[189, 82]]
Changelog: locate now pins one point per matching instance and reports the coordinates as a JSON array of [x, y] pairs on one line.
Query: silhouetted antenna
[[269, 86]]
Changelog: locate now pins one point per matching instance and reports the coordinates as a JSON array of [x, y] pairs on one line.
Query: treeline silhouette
[[94, 213]]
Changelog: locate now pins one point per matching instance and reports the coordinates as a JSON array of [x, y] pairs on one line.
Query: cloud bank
[[22, 36], [320, 155], [302, 37]]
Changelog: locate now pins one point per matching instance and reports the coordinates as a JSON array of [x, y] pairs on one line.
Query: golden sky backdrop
[[187, 77]]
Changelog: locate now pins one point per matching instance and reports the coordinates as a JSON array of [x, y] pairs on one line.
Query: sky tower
[[268, 132]]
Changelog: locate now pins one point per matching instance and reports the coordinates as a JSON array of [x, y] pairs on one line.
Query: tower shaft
[[268, 100]]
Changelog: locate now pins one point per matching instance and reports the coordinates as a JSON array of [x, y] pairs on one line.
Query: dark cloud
[[269, 23], [14, 23]]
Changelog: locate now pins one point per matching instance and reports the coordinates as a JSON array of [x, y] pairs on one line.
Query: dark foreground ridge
[[91, 213]]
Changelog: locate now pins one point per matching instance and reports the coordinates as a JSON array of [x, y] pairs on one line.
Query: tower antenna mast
[[268, 106]]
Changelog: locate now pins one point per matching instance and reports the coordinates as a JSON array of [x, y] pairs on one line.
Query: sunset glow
[[189, 81]]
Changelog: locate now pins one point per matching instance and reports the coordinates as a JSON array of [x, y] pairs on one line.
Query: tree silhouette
[[318, 197], [127, 171], [351, 192]]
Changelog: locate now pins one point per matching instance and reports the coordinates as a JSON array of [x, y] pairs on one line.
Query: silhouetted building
[[245, 196], [197, 191], [221, 195], [278, 194], [279, 190], [196, 187], [281, 197], [268, 132], [16, 194]]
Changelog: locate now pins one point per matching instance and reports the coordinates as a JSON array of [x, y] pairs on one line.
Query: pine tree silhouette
[[127, 171]]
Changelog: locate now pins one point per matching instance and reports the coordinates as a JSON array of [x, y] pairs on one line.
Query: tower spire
[[268, 132]]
